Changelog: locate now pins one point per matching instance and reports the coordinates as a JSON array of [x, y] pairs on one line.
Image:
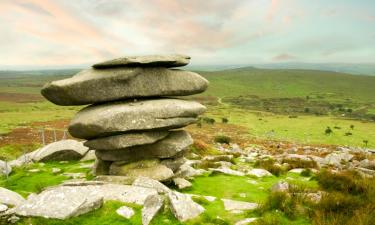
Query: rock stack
[[132, 119]]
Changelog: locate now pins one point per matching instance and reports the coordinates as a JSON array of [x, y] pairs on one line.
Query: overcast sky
[[76, 32]]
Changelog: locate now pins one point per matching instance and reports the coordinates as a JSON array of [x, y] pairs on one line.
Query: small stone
[[259, 173], [3, 208], [183, 207], [152, 206], [34, 170], [228, 171], [181, 183], [5, 168], [281, 186], [125, 212], [246, 221], [56, 170], [230, 205]]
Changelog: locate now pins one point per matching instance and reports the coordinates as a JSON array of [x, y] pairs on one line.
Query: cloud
[[283, 57]]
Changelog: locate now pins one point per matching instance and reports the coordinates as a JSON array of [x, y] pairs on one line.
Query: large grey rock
[[227, 170], [112, 118], [174, 60], [152, 206], [336, 158], [61, 151], [5, 168], [259, 173], [151, 183], [10, 198], [181, 183], [174, 163], [97, 86], [126, 140], [63, 202], [150, 168], [171, 146], [183, 207]]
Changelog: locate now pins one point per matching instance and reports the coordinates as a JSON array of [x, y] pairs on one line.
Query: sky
[[65, 33]]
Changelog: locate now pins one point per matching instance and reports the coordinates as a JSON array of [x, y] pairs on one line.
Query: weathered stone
[[66, 201], [181, 183], [5, 168], [3, 208], [259, 173], [125, 212], [116, 117], [61, 150], [151, 183], [101, 167], [90, 155], [183, 207], [336, 159], [246, 221], [281, 186], [175, 142], [230, 205], [114, 179], [227, 170], [174, 164], [146, 168], [174, 60], [152, 206], [10, 198], [94, 86], [23, 160], [187, 171], [122, 141]]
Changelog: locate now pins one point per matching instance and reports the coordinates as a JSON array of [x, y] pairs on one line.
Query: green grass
[[14, 115], [25, 182], [303, 129]]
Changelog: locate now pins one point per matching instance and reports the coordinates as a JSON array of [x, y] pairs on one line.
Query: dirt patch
[[32, 134], [20, 97]]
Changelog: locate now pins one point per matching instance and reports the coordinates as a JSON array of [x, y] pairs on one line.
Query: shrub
[[208, 120], [328, 131], [224, 120], [222, 139], [306, 172], [299, 163], [269, 165]]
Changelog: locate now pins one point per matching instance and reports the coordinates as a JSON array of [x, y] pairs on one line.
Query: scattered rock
[[187, 171], [152, 206], [125, 212], [259, 173], [10, 198], [230, 205], [335, 159], [183, 207], [60, 150], [56, 170], [145, 61], [181, 183], [90, 155], [280, 186], [296, 170], [228, 171], [246, 221], [5, 168], [150, 183]]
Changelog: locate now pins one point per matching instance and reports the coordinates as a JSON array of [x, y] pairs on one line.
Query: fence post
[[64, 135], [54, 135], [43, 138]]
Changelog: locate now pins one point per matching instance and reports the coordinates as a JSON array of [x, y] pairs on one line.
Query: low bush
[[222, 139], [269, 165], [306, 172], [300, 163]]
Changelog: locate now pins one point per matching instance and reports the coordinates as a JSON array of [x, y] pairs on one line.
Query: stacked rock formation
[[133, 121]]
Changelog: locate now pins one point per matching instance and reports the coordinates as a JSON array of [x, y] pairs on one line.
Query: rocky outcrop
[[132, 120], [60, 151]]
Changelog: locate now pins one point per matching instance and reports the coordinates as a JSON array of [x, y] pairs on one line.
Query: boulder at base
[[120, 117], [61, 151], [144, 168], [176, 142], [97, 86], [145, 61]]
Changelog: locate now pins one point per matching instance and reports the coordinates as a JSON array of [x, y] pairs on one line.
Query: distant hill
[[290, 83]]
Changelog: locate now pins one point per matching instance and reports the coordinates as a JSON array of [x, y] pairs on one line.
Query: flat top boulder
[[174, 60], [97, 86], [120, 117]]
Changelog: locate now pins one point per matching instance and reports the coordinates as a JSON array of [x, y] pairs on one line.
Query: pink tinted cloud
[[283, 57]]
